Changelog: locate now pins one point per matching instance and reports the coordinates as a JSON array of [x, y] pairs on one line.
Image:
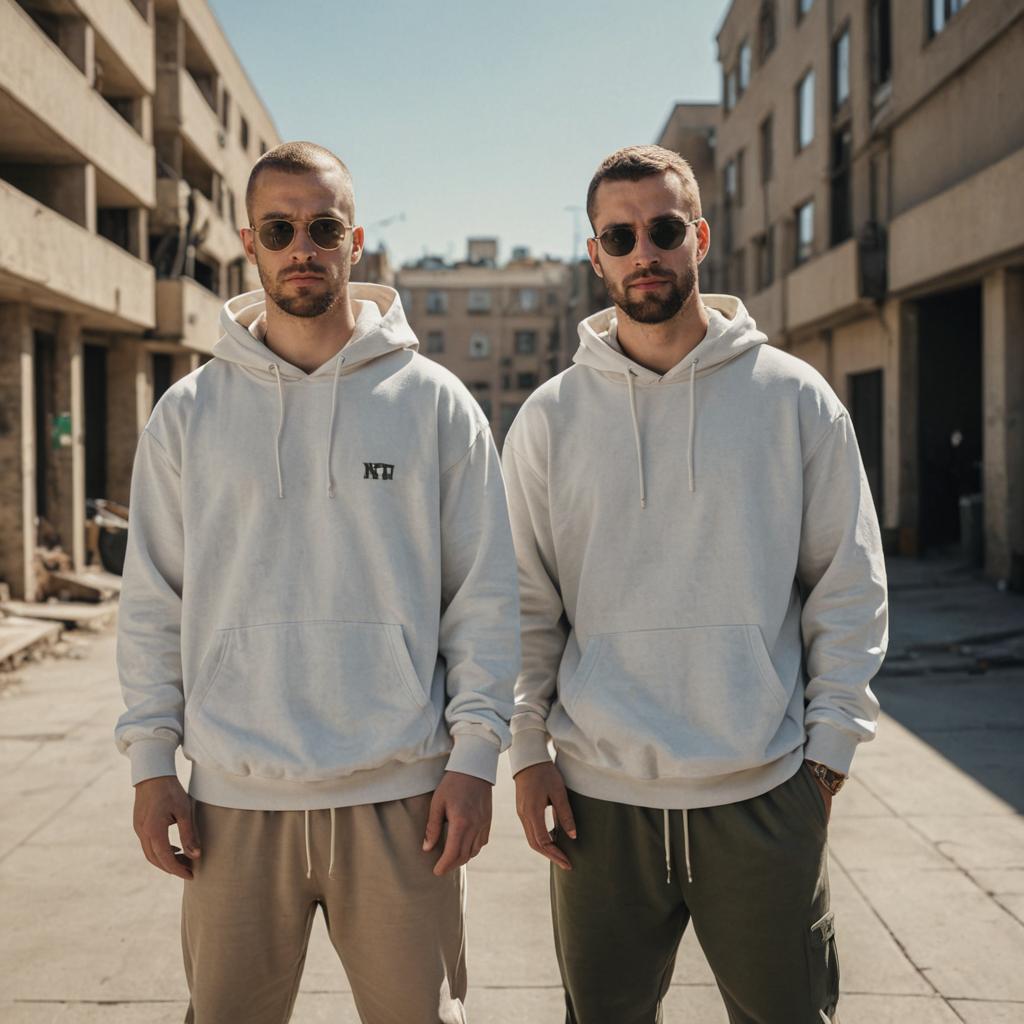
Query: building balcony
[[977, 221], [57, 97], [54, 263], [826, 288], [128, 35], [220, 239], [188, 313]]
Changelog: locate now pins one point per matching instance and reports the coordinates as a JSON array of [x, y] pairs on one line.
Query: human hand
[[464, 801], [536, 788], [160, 803]]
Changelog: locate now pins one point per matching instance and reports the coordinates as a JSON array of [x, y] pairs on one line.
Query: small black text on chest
[[378, 471]]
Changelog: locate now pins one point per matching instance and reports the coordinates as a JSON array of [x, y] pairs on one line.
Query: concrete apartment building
[[502, 329], [127, 129], [870, 158]]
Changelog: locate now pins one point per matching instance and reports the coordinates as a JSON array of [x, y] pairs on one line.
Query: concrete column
[[72, 192], [77, 39], [145, 118], [909, 470], [68, 513], [138, 233], [129, 400], [17, 452], [1003, 411]]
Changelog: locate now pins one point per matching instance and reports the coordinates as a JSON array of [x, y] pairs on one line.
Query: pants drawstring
[[686, 845], [668, 850], [330, 867], [309, 859]]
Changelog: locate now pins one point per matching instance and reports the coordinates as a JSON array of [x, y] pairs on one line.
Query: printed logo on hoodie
[[378, 471]]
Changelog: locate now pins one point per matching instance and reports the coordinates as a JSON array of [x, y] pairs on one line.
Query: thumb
[[187, 833], [434, 822]]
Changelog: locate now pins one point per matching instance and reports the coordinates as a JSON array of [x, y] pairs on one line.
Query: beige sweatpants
[[248, 911]]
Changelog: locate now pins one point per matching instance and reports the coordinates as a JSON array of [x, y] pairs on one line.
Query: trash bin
[[972, 529]]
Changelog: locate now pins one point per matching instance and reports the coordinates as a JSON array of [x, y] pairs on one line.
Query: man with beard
[[320, 607], [703, 608]]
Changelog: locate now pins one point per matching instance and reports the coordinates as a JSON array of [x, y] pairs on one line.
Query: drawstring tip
[[689, 876], [643, 503], [668, 877], [330, 492]]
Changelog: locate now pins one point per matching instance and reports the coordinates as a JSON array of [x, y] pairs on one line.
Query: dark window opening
[[163, 374], [114, 224], [842, 200]]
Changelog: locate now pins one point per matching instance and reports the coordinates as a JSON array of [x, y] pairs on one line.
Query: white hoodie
[[701, 575], [319, 594]]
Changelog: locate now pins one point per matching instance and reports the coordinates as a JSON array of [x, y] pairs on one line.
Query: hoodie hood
[[731, 332], [381, 328]]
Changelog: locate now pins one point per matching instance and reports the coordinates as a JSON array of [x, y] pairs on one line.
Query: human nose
[[302, 248], [645, 252]]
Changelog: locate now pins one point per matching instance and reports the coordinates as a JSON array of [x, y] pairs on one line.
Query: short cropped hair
[[297, 158], [636, 162]]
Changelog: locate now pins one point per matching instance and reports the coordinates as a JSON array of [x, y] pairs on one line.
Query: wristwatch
[[832, 781]]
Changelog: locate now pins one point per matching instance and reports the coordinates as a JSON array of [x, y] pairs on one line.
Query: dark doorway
[[949, 411], [163, 374], [95, 380], [44, 362], [866, 405]]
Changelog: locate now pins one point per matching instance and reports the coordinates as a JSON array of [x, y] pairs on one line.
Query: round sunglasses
[[326, 233], [665, 234]]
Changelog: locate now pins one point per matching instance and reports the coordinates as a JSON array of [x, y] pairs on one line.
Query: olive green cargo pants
[[757, 894]]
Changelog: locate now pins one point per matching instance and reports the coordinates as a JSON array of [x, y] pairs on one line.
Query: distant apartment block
[[501, 328]]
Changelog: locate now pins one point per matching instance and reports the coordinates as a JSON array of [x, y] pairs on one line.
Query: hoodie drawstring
[[273, 368], [668, 846], [693, 420], [330, 433], [309, 856], [636, 437]]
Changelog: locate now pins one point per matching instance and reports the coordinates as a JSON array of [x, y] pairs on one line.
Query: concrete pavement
[[927, 850]]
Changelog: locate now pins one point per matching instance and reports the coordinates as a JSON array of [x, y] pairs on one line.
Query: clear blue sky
[[474, 118]]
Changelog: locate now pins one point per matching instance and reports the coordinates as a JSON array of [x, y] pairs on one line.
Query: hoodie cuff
[[151, 759], [830, 746], [474, 755], [529, 747]]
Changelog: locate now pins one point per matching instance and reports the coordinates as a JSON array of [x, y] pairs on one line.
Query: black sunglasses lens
[[618, 241], [668, 234], [276, 235], [327, 232]]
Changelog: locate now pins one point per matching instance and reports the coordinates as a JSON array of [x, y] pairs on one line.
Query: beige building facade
[[868, 162], [502, 329], [127, 129]]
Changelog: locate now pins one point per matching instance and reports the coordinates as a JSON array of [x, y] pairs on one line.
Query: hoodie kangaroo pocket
[[307, 701], [678, 703]]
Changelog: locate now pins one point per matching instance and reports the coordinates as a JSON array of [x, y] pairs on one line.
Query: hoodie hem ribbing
[[674, 793], [379, 785]]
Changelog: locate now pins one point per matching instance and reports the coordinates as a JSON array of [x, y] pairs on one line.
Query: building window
[[804, 233], [730, 181], [766, 30], [508, 414], [940, 11], [435, 342], [766, 150], [730, 89], [880, 44], [841, 70], [764, 257], [243, 133], [802, 7], [805, 111], [407, 299], [263, 147], [232, 206], [526, 381], [437, 301], [486, 407], [479, 300], [842, 201], [529, 300], [479, 346], [526, 343], [225, 109], [744, 67], [737, 270]]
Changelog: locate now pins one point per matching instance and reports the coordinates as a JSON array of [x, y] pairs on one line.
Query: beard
[[651, 308], [304, 305]]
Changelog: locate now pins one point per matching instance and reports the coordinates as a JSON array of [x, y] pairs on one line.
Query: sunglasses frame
[[294, 224], [636, 237]]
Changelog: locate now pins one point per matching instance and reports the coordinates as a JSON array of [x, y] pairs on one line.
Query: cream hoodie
[[319, 598], [701, 576]]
